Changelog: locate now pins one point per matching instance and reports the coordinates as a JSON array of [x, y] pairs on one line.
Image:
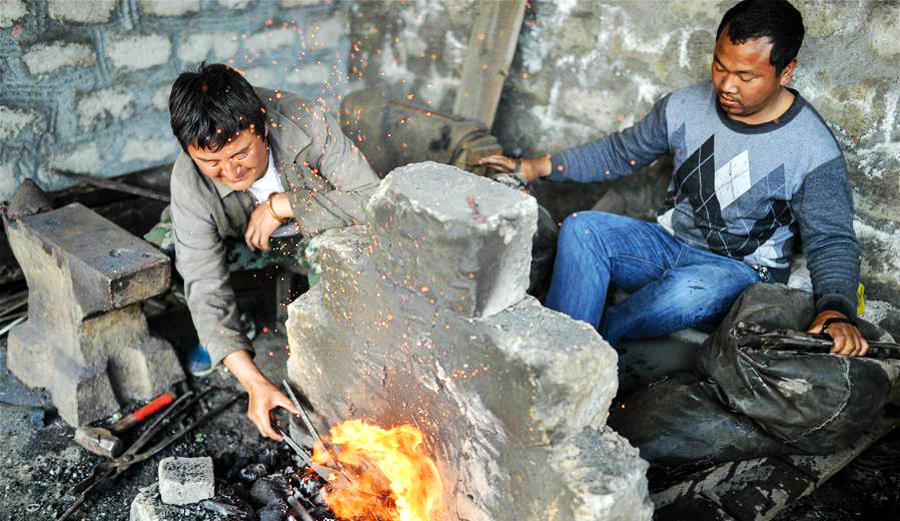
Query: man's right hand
[[531, 169]]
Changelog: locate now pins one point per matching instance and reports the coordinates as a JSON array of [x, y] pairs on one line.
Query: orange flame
[[389, 475]]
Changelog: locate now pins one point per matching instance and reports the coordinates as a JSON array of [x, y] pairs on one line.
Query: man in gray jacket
[[254, 161]]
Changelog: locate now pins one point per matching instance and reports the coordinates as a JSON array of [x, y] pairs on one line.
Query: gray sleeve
[[824, 208], [200, 260], [617, 154]]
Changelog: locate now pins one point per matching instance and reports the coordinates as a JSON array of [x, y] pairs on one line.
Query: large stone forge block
[[463, 239], [513, 405], [86, 339]]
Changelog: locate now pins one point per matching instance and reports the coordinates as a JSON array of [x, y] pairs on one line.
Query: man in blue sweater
[[754, 164]]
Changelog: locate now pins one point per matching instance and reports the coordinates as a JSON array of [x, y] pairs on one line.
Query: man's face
[[238, 164], [743, 77]]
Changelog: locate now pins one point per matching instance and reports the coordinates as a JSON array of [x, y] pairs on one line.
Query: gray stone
[[29, 200], [86, 339], [186, 480], [269, 489], [459, 239], [512, 404]]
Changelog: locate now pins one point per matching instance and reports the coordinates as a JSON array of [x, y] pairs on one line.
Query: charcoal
[[269, 489], [274, 511], [253, 472], [234, 471], [309, 485]]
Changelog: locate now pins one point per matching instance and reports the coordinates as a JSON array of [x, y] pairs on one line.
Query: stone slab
[[458, 238], [184, 481]]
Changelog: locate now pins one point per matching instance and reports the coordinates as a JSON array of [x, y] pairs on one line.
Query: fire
[[385, 475]]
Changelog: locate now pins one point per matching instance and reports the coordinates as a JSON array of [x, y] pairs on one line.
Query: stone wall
[[586, 68], [84, 84]]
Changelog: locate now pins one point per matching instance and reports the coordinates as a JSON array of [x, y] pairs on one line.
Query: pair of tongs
[[327, 473]]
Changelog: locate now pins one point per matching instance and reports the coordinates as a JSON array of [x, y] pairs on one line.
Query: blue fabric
[[672, 285], [741, 191]]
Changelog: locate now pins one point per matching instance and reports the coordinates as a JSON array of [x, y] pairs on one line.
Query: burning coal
[[386, 475]]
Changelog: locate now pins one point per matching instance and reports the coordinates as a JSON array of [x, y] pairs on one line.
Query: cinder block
[[460, 239], [48, 57], [137, 52], [82, 11], [186, 480]]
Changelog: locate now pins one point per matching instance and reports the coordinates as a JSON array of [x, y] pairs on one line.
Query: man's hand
[[848, 341], [531, 169], [263, 395], [262, 223]]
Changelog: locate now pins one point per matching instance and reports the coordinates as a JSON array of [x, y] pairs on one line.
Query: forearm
[[241, 365]]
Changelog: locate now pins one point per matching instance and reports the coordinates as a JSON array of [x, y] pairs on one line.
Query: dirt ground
[[38, 465]]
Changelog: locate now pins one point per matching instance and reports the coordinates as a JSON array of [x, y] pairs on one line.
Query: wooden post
[[491, 47]]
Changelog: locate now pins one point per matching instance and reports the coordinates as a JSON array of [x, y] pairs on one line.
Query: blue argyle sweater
[[743, 191]]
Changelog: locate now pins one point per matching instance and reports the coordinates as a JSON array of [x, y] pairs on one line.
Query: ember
[[390, 476]]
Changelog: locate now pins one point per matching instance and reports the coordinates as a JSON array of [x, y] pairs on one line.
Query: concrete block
[[86, 339], [149, 149], [82, 11], [102, 105], [200, 46], [234, 4], [43, 58], [270, 40], [169, 8], [460, 239], [137, 52], [186, 480], [11, 12]]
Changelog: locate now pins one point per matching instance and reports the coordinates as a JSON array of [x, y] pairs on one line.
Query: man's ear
[[787, 74]]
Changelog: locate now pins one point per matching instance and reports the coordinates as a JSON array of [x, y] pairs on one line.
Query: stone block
[[497, 397], [80, 159], [883, 31], [199, 46], [11, 12], [169, 8], [43, 58], [270, 40], [463, 240], [82, 11], [186, 480], [104, 105], [86, 339], [13, 121], [137, 52]]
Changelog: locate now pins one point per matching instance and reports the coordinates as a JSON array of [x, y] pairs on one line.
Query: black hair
[[778, 20], [210, 106]]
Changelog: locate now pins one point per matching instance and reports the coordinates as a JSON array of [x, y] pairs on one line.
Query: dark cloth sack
[[746, 403]]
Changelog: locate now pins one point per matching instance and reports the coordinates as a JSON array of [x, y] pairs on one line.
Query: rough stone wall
[[84, 84], [586, 68]]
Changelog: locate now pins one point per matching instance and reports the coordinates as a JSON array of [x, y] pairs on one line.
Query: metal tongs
[[110, 469], [325, 472]]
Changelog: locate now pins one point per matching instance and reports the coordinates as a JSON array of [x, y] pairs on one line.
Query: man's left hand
[[848, 341], [262, 224]]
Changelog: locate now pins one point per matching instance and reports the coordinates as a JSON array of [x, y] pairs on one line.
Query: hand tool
[[105, 442], [109, 470]]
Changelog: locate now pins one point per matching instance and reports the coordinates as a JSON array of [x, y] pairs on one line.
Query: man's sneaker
[[198, 361]]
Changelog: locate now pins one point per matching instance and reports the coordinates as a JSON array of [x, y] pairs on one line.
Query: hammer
[[105, 442]]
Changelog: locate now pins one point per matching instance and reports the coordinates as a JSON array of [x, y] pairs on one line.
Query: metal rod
[[309, 425], [118, 186], [11, 325]]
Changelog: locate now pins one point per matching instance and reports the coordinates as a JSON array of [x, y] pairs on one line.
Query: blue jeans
[[672, 286]]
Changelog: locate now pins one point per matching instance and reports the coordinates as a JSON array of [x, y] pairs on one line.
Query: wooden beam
[[492, 43]]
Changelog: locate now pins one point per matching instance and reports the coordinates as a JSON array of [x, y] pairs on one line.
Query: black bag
[[746, 403]]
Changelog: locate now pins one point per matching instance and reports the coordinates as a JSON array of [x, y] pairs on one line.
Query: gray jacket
[[328, 182]]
